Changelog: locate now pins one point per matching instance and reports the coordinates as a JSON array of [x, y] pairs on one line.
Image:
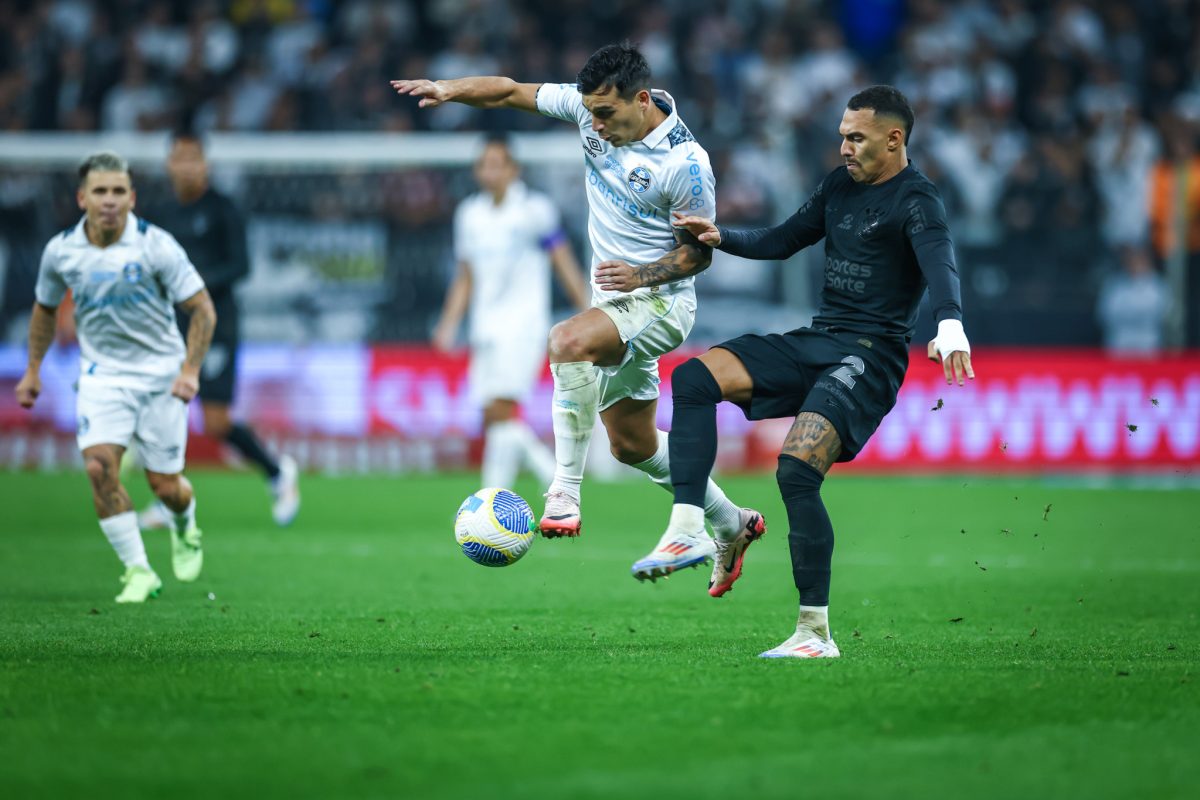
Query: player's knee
[[567, 344], [628, 451], [693, 384], [101, 470], [217, 427], [797, 479], [164, 486]]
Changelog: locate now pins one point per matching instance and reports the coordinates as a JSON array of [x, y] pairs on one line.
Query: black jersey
[[883, 244], [212, 233]]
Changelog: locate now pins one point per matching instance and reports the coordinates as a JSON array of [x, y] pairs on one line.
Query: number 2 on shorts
[[854, 367]]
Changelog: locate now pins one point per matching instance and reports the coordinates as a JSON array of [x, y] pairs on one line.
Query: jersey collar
[[79, 234], [655, 137]]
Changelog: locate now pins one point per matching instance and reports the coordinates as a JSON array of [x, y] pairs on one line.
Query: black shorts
[[851, 379], [218, 374]]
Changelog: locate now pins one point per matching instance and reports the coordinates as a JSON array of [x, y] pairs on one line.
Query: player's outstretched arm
[[690, 257], [41, 334], [479, 91], [199, 336]]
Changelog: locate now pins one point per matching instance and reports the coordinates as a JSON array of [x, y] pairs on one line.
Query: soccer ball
[[494, 527]]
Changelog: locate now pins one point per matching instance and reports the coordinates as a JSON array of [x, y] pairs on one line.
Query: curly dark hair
[[621, 66], [885, 100]]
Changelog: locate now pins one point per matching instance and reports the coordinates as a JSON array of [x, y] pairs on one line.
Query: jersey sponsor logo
[[848, 276], [620, 304], [132, 272], [916, 217], [592, 146], [695, 203], [639, 179], [847, 223], [696, 186], [622, 201], [612, 164]]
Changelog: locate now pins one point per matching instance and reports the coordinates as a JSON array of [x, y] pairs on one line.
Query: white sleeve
[[690, 186], [171, 266], [562, 101], [51, 288]]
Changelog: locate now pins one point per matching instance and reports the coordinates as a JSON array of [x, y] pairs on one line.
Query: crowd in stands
[[1057, 130]]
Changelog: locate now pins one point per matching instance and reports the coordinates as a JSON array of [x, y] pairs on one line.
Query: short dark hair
[[621, 66], [885, 100], [103, 161], [498, 140], [187, 136]]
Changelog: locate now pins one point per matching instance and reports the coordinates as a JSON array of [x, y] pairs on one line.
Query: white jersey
[[632, 190], [125, 296], [506, 248]]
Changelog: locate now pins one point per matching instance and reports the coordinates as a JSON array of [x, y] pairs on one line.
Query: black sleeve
[[929, 234], [805, 227], [236, 263]]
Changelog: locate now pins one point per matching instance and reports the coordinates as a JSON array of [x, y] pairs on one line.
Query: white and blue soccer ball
[[494, 527]]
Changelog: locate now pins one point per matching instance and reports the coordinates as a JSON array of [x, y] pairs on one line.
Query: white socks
[[123, 534], [726, 518], [815, 619], [506, 445], [576, 395]]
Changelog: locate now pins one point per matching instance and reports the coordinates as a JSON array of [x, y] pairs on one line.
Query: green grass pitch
[[991, 648]]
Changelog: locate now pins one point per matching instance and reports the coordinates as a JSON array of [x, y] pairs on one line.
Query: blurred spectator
[[1133, 306], [1039, 114], [1175, 224]]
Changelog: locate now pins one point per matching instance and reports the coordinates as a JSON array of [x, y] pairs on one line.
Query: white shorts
[[650, 325], [156, 421], [505, 368]]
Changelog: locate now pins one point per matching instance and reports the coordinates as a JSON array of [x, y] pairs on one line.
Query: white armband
[[951, 338]]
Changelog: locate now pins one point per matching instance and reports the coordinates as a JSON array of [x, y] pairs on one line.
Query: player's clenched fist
[[432, 93], [185, 386], [617, 276], [28, 389], [703, 229]]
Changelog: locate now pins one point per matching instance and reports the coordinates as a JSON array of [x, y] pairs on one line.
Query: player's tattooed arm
[[41, 334], [690, 257], [203, 320]]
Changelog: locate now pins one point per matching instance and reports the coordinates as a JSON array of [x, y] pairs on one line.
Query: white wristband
[[951, 338]]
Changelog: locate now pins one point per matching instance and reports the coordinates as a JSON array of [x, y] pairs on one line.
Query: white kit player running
[[136, 375], [641, 164], [506, 238]]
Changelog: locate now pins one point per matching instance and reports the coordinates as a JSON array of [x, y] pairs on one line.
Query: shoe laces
[[558, 503]]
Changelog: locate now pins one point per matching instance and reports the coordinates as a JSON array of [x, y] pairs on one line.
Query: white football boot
[[809, 641], [727, 563], [676, 550], [285, 492], [561, 517]]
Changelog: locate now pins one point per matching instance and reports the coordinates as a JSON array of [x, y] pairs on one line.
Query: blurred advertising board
[[353, 408]]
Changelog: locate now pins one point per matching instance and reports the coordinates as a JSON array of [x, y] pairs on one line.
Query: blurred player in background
[[641, 163], [209, 227], [886, 239], [506, 238], [136, 374]]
